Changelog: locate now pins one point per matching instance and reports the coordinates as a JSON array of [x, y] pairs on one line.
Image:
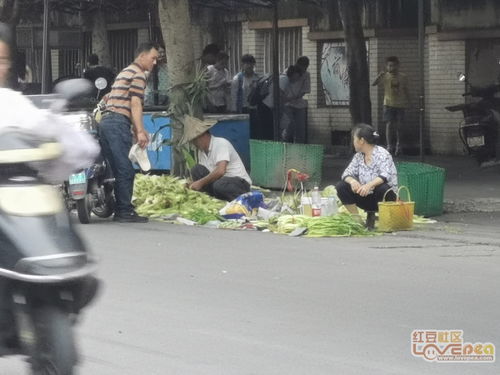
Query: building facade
[[462, 36]]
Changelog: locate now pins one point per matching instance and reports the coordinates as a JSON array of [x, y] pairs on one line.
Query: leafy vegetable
[[329, 191], [156, 196], [323, 226], [336, 226], [288, 223]]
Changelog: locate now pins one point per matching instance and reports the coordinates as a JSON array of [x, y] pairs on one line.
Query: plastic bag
[[245, 205]]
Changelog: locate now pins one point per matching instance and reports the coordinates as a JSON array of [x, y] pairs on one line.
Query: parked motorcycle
[[90, 190], [481, 124], [47, 276]]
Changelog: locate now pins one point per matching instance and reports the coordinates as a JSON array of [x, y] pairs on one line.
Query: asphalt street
[[196, 301]]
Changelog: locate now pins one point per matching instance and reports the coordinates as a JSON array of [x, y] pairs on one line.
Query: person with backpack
[[242, 85]]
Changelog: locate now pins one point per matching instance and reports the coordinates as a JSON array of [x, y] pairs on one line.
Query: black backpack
[[260, 91]]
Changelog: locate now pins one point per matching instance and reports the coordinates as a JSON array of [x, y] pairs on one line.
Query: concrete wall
[[406, 49], [445, 59], [54, 62], [468, 14]]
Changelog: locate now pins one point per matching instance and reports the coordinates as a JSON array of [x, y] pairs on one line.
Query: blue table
[[235, 128]]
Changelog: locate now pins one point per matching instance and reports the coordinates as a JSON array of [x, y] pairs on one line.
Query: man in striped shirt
[[123, 116]]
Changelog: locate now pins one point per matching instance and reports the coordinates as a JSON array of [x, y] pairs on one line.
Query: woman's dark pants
[[368, 203]]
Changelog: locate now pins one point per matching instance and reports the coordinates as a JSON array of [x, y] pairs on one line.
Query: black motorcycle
[[481, 124], [89, 190]]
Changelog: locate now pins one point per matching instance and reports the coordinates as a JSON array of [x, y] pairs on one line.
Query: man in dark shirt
[[94, 71]]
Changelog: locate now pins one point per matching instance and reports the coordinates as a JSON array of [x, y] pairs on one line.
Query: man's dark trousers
[[225, 188], [116, 141]]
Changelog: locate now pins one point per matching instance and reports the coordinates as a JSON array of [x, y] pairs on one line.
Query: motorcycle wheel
[[106, 209], [83, 208], [54, 350]]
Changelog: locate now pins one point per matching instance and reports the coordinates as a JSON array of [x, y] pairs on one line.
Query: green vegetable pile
[[324, 226], [286, 224], [336, 226], [157, 196]]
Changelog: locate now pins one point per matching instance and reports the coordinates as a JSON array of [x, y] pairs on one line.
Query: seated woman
[[369, 176]]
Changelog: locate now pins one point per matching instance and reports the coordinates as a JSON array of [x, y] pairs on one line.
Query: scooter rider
[[78, 149]]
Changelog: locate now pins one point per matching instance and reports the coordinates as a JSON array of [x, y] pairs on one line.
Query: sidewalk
[[468, 188]]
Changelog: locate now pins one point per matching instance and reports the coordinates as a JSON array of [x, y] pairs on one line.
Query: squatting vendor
[[220, 171], [370, 174]]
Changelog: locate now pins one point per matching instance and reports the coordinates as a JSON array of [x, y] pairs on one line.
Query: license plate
[[475, 141], [78, 178]]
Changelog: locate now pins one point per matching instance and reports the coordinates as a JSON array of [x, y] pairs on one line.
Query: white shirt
[[79, 148], [381, 166], [297, 90], [218, 88], [221, 149], [284, 82]]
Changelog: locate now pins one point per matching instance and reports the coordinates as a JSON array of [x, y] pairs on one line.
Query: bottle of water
[[316, 202]]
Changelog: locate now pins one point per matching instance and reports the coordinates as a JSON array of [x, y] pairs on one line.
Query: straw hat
[[194, 127]]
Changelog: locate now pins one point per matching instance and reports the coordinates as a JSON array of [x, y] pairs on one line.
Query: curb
[[472, 205]]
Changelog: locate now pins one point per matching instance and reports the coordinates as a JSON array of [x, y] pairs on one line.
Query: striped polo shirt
[[130, 82]]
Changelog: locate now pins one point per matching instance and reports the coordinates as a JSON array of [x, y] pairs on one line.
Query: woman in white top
[[370, 174]]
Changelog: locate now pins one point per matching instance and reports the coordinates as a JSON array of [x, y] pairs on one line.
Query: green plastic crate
[[426, 185], [270, 161]]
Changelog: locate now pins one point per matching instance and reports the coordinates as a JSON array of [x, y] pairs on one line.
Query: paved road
[[188, 301]]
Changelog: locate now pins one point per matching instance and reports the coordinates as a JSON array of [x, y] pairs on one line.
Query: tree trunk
[[100, 40], [175, 23], [357, 62], [95, 20]]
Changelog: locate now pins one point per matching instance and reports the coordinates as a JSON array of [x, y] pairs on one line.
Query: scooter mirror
[[461, 77], [101, 83]]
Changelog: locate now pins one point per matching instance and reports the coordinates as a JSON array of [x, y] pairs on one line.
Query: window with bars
[[233, 46], [123, 44], [290, 48], [68, 62]]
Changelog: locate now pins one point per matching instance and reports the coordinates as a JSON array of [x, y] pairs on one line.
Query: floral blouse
[[381, 166]]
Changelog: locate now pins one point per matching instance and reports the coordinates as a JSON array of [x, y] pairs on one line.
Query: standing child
[[396, 99]]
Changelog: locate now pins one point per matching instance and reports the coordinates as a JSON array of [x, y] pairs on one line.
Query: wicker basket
[[270, 162], [426, 185]]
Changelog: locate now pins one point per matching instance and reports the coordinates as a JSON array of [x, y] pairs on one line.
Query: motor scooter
[[90, 190], [480, 126], [47, 274]]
